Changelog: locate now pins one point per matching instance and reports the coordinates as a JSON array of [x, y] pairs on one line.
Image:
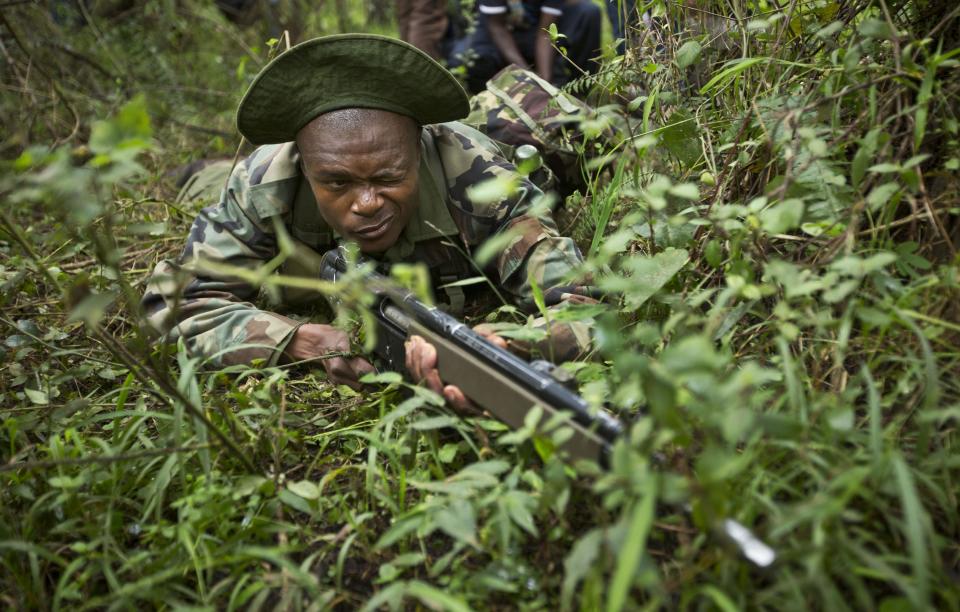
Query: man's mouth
[[374, 230]]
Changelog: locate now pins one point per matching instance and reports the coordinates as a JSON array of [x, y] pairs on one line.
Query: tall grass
[[781, 227]]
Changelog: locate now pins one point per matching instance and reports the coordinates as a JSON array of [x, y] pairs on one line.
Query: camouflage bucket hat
[[347, 71]]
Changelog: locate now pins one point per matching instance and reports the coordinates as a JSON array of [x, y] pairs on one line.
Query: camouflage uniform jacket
[[214, 313]]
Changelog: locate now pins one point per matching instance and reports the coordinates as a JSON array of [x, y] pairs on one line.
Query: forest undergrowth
[[779, 220]]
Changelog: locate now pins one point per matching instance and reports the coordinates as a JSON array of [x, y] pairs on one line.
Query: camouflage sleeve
[[535, 249], [212, 312]]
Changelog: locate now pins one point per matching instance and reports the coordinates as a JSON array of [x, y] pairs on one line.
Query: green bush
[[779, 226]]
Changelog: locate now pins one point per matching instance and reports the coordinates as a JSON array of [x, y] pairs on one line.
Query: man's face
[[362, 166]]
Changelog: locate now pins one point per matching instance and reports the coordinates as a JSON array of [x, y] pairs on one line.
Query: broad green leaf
[[686, 191], [688, 53], [459, 521], [130, 129], [295, 501], [36, 396], [400, 529], [305, 489], [517, 506], [648, 275], [92, 308], [881, 194], [681, 138], [876, 28], [782, 216], [579, 562]]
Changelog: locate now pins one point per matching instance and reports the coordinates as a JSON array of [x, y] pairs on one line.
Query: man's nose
[[368, 202]]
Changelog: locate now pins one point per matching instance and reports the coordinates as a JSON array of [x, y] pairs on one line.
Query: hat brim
[[347, 71]]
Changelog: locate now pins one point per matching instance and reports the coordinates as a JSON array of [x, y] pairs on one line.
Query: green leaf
[[842, 419], [496, 245], [651, 274], [399, 530], [863, 156], [681, 138], [130, 129], [733, 68], [458, 521], [579, 562], [434, 598], [383, 378], [305, 489], [686, 191], [782, 216], [295, 501], [840, 291], [721, 599], [885, 168], [876, 28], [688, 53], [437, 422], [881, 194], [915, 521], [495, 189], [92, 308], [36, 396], [517, 506], [628, 560]]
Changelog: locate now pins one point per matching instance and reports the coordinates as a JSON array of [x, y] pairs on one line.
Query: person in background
[[513, 32], [624, 18], [621, 13], [423, 24]]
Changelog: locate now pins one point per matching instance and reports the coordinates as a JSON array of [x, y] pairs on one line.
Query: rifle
[[500, 382], [496, 380]]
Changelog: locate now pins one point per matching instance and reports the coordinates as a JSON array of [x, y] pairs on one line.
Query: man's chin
[[376, 246]]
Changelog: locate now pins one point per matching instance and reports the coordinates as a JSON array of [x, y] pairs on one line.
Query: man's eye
[[335, 185]]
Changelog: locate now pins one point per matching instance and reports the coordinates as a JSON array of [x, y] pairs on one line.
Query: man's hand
[[421, 362], [543, 47], [313, 341], [503, 40]]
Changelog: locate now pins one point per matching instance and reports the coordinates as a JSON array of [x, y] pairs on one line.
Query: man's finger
[[486, 330], [340, 373], [360, 367], [421, 357], [433, 381], [459, 402]]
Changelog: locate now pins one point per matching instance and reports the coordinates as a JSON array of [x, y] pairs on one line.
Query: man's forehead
[[353, 118], [346, 129]]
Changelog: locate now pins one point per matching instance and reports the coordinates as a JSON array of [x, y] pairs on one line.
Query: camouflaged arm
[[213, 313]]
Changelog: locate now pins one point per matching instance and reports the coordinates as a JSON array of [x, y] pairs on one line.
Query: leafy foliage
[[780, 226]]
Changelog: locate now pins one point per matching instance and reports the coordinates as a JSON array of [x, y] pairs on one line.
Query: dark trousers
[[621, 13], [580, 23]]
